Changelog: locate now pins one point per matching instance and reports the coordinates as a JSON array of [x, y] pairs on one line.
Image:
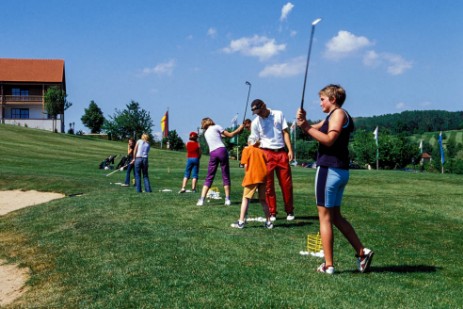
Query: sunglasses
[[255, 108]]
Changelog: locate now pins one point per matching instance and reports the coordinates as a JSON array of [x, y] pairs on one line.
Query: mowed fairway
[[114, 248]]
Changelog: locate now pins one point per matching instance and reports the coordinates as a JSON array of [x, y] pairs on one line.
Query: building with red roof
[[23, 84]]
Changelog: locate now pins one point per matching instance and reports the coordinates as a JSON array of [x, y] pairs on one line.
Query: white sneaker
[[290, 217], [327, 270], [200, 203], [227, 202], [273, 218], [238, 224], [268, 225], [363, 262]]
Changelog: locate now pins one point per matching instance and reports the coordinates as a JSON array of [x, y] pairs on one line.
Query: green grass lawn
[[114, 248]]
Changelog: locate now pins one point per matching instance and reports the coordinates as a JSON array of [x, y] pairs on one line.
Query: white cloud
[[345, 44], [293, 67], [371, 58], [165, 68], [212, 32], [256, 46], [395, 64], [401, 105], [285, 10]]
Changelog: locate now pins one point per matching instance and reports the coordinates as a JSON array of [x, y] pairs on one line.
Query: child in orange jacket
[[255, 177]]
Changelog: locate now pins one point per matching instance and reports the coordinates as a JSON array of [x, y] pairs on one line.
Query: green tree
[[451, 147], [55, 103], [130, 122], [306, 150], [93, 118], [364, 148], [395, 151], [174, 140]]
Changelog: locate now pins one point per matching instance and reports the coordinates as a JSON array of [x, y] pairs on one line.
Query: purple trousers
[[218, 156]]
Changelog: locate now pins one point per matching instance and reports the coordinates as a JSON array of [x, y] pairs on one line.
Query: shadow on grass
[[401, 269], [299, 221], [404, 269]]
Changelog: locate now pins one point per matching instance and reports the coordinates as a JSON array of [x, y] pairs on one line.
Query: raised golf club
[[247, 101], [314, 23]]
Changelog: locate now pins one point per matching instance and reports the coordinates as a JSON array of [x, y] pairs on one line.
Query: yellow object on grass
[[314, 242]]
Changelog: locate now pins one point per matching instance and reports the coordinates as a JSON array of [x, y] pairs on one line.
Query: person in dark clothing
[[332, 175]]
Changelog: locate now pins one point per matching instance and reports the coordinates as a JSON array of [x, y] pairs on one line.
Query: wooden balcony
[[22, 99]]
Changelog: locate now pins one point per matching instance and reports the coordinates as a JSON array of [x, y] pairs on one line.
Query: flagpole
[[442, 156], [375, 133], [377, 158]]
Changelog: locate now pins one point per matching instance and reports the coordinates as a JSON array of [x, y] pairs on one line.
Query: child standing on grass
[[332, 175], [255, 177], [218, 155], [193, 150]]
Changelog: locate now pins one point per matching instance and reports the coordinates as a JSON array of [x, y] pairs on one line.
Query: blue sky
[[194, 57]]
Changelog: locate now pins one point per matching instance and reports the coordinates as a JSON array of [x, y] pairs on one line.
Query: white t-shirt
[[143, 149], [213, 137], [270, 130]]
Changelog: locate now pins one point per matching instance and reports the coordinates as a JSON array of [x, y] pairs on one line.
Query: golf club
[[314, 23], [117, 170], [247, 101]]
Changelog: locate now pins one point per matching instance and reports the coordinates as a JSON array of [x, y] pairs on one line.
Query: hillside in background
[[431, 137], [413, 122]]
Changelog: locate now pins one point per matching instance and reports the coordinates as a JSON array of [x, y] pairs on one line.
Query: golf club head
[[316, 21], [248, 83]]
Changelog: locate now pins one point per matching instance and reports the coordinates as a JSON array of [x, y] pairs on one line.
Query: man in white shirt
[[271, 128]]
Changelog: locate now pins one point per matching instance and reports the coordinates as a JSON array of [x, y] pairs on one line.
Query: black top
[[337, 155]]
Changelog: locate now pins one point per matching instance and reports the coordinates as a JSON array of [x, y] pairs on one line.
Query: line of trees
[[132, 121], [413, 122]]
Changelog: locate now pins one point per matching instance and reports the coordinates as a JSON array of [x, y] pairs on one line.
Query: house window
[[20, 92], [20, 113]]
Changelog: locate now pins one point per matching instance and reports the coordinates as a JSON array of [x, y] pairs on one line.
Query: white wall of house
[[34, 123], [37, 120]]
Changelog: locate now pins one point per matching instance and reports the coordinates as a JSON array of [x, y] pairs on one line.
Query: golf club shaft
[[308, 60], [117, 170], [247, 101]]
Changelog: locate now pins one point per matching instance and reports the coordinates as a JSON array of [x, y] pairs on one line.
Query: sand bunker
[[13, 278], [16, 199]]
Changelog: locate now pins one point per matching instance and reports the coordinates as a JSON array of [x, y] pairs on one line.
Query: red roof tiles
[[31, 70]]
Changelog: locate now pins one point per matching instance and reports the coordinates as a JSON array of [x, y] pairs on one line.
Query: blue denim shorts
[[329, 186]]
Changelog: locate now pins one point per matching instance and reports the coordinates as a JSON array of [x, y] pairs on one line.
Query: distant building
[[23, 84], [425, 158]]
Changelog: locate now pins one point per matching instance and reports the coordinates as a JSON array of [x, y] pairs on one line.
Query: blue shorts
[[192, 167], [329, 186]]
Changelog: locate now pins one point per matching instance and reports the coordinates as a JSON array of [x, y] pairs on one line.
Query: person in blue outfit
[[332, 175], [141, 151]]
